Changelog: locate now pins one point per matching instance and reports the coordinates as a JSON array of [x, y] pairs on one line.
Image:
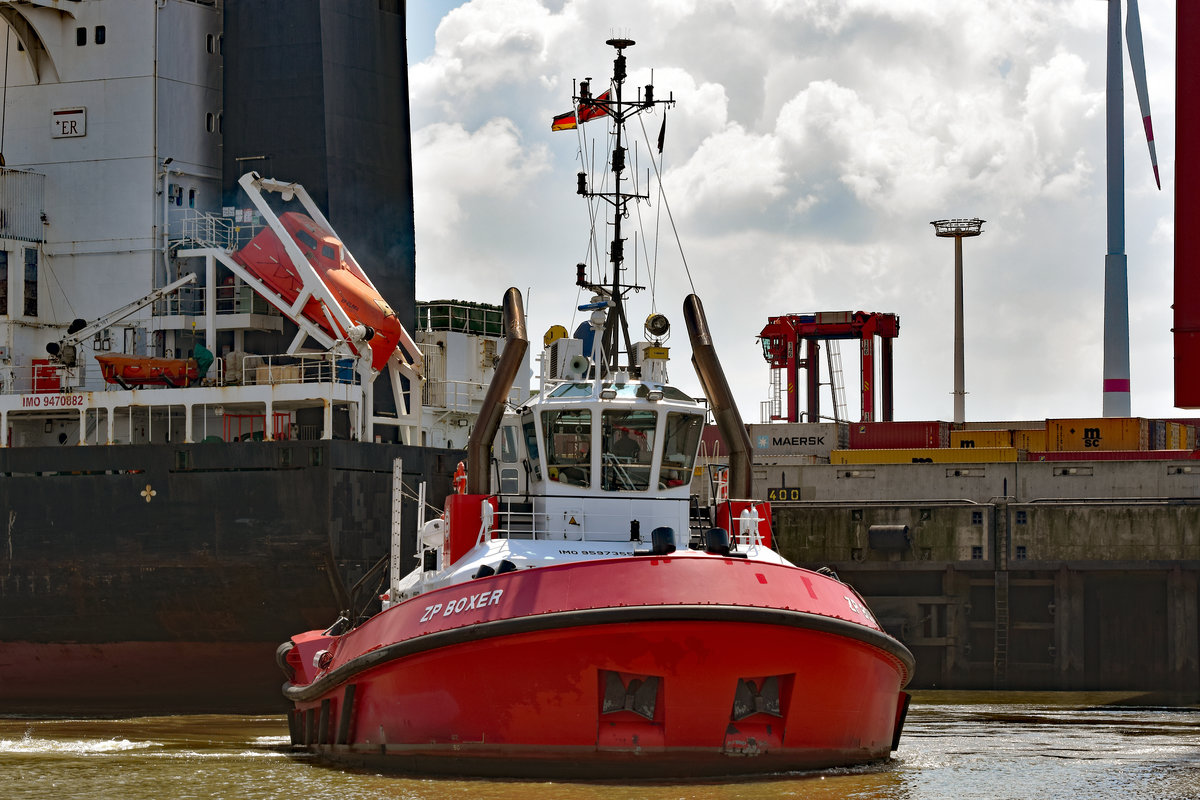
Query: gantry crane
[[781, 348]]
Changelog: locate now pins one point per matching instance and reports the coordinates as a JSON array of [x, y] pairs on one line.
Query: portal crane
[[781, 348]]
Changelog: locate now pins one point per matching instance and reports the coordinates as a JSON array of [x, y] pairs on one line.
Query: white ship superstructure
[[112, 134]]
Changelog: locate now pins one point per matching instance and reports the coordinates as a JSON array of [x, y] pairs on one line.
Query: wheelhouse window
[[509, 456], [568, 446], [31, 282], [681, 439], [628, 449], [531, 445]]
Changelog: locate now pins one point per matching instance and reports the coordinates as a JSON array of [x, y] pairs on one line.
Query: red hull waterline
[[546, 680]]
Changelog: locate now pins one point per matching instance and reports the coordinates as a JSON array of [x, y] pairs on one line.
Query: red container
[[1112, 455], [893, 435], [712, 444]]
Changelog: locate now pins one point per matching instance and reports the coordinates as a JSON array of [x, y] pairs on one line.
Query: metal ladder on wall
[[1000, 654]]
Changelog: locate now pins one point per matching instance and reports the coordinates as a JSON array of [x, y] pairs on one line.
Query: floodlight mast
[[958, 229]]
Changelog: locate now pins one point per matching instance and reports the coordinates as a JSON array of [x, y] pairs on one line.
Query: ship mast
[[614, 105]]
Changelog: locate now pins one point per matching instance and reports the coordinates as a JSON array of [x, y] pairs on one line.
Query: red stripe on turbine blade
[[1149, 130], [1156, 180], [1116, 385]]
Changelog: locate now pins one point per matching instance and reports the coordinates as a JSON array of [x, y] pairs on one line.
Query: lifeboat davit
[[133, 371], [264, 256]]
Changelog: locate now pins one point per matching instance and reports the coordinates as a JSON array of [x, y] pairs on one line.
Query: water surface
[[955, 747]]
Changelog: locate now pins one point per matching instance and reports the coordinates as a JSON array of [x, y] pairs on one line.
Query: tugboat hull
[[642, 689]]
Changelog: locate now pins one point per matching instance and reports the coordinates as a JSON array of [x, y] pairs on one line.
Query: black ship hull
[[158, 579]]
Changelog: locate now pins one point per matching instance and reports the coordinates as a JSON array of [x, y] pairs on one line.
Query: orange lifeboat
[[265, 257], [132, 371]]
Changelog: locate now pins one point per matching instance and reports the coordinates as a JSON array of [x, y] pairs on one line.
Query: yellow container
[[1098, 433], [926, 455], [1031, 440], [981, 439], [1175, 436]]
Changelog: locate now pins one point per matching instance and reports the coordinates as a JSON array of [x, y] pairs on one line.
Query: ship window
[[101, 34], [568, 455], [80, 36], [221, 44], [31, 276], [191, 198], [976, 553], [220, 122], [628, 447], [210, 122], [508, 444], [681, 438], [573, 390], [305, 238], [1022, 554], [328, 252], [531, 445], [210, 43], [3, 283]]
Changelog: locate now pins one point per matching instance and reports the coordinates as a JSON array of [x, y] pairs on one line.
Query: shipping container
[[1030, 438], [1175, 437], [982, 437], [886, 435], [1112, 455], [798, 438], [1097, 433], [1158, 434], [712, 444], [927, 455], [1001, 425]]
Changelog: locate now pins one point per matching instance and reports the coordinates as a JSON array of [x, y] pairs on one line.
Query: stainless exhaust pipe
[[480, 444], [716, 388]]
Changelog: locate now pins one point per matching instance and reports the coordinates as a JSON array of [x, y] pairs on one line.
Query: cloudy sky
[[811, 144]]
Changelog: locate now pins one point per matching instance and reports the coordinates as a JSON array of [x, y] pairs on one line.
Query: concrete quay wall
[[1067, 576]]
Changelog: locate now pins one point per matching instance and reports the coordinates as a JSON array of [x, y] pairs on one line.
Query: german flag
[[564, 122], [570, 120]]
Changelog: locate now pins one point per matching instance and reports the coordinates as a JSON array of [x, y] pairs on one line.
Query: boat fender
[[281, 658], [460, 479]]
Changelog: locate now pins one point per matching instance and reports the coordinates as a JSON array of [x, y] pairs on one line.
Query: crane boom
[[63, 351]]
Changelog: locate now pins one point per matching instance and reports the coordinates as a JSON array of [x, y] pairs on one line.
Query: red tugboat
[[571, 616]]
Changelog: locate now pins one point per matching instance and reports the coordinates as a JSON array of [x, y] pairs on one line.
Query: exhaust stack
[[515, 343], [716, 388]]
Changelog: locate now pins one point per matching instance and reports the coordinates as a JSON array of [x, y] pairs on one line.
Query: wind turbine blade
[[1137, 60]]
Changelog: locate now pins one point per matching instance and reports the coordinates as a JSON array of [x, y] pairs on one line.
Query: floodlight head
[[954, 228]]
